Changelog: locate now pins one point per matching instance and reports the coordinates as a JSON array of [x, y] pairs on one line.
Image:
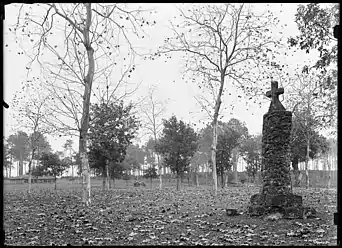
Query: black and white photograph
[[170, 124]]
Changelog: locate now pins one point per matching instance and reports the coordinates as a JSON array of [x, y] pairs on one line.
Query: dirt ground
[[143, 216]]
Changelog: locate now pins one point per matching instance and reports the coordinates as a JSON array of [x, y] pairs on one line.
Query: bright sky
[[171, 87]]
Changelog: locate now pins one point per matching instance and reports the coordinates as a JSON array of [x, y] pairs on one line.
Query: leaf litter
[[192, 216]]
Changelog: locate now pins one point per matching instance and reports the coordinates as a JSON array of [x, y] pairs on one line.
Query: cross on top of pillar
[[274, 95]]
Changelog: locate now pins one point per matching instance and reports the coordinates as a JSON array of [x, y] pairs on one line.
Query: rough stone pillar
[[276, 191], [276, 177]]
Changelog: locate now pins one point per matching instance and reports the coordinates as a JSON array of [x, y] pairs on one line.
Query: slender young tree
[[152, 112], [32, 114], [223, 44], [308, 109]]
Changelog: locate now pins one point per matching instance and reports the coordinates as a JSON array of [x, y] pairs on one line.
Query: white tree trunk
[[29, 181], [307, 182], [235, 161], [329, 172], [104, 171], [86, 197], [30, 171], [196, 175], [107, 175], [85, 178], [213, 156], [103, 181], [10, 168], [215, 123], [160, 173]]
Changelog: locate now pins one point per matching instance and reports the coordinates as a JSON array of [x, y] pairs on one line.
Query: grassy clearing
[[141, 216]]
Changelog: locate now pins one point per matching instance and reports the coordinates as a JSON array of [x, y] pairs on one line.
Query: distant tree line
[[182, 149]]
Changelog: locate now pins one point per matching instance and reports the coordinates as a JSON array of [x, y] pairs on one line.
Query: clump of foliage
[[251, 152], [51, 165], [177, 146], [112, 128]]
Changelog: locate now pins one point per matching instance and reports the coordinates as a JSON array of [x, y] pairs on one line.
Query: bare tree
[[152, 112], [223, 43], [308, 107], [31, 112], [85, 41]]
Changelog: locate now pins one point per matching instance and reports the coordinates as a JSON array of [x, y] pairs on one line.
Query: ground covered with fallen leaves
[[143, 216]]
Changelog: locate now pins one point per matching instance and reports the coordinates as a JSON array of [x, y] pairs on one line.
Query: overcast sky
[[171, 87]]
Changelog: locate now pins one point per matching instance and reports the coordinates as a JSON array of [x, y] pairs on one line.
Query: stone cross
[[274, 95]]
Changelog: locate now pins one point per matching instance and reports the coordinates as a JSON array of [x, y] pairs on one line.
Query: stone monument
[[276, 192]]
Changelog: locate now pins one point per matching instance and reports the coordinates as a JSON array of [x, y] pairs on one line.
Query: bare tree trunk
[[126, 178], [189, 177], [213, 154], [55, 183], [222, 178], [181, 180], [316, 164], [107, 175], [329, 173], [196, 175], [86, 196], [85, 172], [160, 173], [104, 178], [10, 168], [329, 179], [30, 179], [307, 162], [178, 182], [235, 160], [30, 182], [30, 171], [197, 182], [21, 166], [215, 119], [110, 179]]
